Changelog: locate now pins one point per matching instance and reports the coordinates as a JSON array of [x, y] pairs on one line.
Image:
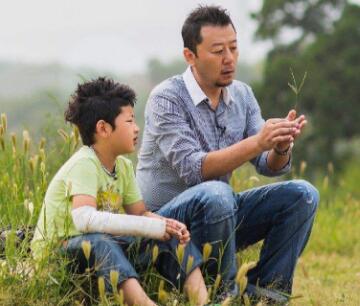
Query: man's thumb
[[291, 115]]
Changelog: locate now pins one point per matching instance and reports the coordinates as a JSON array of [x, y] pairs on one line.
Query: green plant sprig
[[295, 88]]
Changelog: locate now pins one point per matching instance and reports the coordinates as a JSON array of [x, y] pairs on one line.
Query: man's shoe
[[271, 297]]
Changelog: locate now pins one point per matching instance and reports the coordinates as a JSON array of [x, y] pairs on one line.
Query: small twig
[[295, 88]]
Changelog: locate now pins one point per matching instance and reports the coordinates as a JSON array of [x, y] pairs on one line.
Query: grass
[[328, 273]]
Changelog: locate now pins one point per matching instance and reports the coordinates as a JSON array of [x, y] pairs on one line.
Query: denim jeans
[[281, 213], [126, 254]]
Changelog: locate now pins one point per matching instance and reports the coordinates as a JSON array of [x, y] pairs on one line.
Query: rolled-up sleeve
[[253, 125], [177, 141]]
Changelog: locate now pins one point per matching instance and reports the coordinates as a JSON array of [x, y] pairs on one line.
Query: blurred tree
[[331, 92], [309, 18]]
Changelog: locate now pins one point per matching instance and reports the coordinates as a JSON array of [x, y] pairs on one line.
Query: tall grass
[[26, 169]]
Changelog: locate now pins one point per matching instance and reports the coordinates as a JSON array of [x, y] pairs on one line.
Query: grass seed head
[[86, 247], [189, 264], [4, 122], [101, 287], [155, 253], [207, 248], [180, 253], [114, 278]]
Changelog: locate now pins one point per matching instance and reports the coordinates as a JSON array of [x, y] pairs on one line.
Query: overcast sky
[[110, 34]]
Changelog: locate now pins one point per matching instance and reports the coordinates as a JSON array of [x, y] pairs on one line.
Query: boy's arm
[[173, 227], [87, 219]]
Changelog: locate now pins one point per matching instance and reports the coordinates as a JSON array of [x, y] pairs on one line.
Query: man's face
[[217, 55]]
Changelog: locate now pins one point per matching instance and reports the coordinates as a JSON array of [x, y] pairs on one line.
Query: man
[[202, 125]]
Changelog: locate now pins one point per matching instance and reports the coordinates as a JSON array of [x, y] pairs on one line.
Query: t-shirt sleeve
[[82, 179], [131, 191]]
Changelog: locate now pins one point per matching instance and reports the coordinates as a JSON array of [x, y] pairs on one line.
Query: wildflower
[[63, 135], [207, 248], [29, 206], [303, 166], [101, 287], [86, 247], [163, 296], [180, 253], [42, 143], [241, 278], [155, 253], [114, 278], [189, 263], [246, 300], [4, 122], [226, 302]]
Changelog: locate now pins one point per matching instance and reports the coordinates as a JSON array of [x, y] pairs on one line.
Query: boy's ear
[[103, 129], [189, 56]]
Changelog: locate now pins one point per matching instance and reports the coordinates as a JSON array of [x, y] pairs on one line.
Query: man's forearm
[[221, 162]]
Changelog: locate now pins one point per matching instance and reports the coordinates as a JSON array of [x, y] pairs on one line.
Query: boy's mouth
[[135, 140]]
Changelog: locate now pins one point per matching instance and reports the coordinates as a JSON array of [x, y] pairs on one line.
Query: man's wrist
[[284, 152]]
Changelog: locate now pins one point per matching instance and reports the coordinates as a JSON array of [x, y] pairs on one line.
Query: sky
[[113, 35]]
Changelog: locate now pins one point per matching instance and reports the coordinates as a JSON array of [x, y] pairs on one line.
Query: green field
[[328, 273]]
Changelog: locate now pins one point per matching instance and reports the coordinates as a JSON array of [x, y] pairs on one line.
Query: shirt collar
[[196, 93]]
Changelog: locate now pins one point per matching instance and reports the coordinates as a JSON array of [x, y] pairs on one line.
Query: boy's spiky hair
[[99, 99]]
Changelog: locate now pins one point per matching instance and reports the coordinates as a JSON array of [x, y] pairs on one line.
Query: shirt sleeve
[[253, 125], [177, 141], [131, 192], [82, 179]]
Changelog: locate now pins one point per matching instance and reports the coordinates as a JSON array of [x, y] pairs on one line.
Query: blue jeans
[[281, 213], [124, 254]]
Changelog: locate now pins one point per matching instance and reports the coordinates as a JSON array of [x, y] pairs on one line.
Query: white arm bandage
[[89, 220]]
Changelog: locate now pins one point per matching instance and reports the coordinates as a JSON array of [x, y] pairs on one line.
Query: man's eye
[[218, 51]]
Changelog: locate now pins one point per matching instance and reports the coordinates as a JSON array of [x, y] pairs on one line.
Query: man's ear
[[189, 56], [103, 129]]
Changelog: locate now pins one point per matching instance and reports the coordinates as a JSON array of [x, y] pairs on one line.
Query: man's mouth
[[227, 72], [135, 140]]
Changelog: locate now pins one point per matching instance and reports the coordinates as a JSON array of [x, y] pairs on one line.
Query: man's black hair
[[99, 99], [202, 16]]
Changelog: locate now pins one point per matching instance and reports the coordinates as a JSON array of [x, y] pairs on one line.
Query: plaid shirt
[[181, 128]]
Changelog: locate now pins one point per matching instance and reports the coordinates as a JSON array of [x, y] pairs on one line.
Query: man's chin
[[223, 83]]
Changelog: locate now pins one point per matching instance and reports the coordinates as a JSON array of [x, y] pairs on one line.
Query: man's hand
[[300, 121], [276, 131]]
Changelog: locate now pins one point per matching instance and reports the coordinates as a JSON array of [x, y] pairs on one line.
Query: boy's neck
[[105, 156]]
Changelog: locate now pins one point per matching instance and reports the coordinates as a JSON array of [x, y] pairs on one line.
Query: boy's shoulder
[[84, 157], [124, 164]]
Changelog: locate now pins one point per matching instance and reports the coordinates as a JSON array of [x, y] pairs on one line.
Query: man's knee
[[308, 194], [217, 200]]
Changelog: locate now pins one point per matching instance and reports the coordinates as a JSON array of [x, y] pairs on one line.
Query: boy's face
[[125, 135]]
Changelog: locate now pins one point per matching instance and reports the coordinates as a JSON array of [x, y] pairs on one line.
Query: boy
[[93, 187]]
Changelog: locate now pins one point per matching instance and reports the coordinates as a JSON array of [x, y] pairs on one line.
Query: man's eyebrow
[[221, 44]]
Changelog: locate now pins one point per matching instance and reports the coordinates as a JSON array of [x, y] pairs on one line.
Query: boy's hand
[[176, 229]]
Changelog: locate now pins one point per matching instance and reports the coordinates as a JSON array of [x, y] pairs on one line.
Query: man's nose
[[228, 56]]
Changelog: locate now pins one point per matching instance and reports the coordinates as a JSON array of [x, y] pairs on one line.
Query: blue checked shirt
[[181, 128]]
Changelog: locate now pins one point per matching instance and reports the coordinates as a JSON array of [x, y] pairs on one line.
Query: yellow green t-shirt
[[82, 174]]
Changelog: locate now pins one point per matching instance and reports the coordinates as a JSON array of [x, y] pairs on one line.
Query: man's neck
[[211, 91], [105, 156]]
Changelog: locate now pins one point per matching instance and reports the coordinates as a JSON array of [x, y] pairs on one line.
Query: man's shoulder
[[239, 87], [169, 88]]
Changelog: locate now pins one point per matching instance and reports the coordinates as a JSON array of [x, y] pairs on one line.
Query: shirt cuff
[[262, 166]]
